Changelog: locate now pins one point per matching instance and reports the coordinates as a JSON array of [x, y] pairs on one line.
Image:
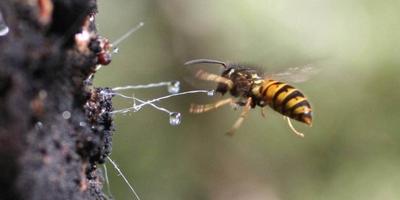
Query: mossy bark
[[55, 128]]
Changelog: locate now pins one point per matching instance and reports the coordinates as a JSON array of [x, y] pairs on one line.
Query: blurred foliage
[[351, 152]]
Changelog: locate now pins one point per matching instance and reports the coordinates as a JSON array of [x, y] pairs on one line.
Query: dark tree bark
[[55, 128]]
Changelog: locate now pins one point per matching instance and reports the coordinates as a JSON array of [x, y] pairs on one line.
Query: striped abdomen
[[286, 100]]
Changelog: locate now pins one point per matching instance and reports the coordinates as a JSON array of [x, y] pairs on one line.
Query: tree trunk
[[55, 128]]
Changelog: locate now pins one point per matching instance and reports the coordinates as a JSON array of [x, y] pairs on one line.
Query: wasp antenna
[[198, 61]]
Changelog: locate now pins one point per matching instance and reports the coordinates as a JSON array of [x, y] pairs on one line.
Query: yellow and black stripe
[[286, 100]]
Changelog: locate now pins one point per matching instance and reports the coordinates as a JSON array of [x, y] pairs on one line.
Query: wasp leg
[[292, 127], [203, 75], [243, 115], [195, 108], [264, 112]]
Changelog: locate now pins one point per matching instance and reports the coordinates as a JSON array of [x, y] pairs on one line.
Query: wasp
[[249, 88]]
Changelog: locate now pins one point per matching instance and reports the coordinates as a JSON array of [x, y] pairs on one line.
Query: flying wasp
[[249, 88]]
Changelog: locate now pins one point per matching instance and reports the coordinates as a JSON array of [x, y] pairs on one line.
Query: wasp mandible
[[249, 88]]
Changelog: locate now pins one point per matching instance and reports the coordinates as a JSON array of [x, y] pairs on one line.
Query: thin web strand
[[144, 86], [171, 95], [107, 181], [134, 107], [123, 176], [121, 39], [127, 34]]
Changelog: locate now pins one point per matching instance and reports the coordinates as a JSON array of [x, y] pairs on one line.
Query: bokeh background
[[351, 152]]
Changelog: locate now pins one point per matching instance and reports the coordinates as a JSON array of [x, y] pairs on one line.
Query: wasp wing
[[294, 74]]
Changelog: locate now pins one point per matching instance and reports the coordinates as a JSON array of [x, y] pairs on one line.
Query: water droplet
[[66, 115], [211, 93], [115, 50], [82, 124], [3, 26], [174, 87], [3, 29], [42, 94], [39, 125], [175, 118]]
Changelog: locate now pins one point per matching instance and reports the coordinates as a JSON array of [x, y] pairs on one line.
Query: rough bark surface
[[55, 128]]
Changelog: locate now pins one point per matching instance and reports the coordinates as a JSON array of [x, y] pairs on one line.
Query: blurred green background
[[351, 152]]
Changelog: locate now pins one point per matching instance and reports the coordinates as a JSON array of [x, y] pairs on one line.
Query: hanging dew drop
[[115, 50], [39, 125], [175, 118], [174, 87], [211, 93], [3, 26], [3, 30]]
